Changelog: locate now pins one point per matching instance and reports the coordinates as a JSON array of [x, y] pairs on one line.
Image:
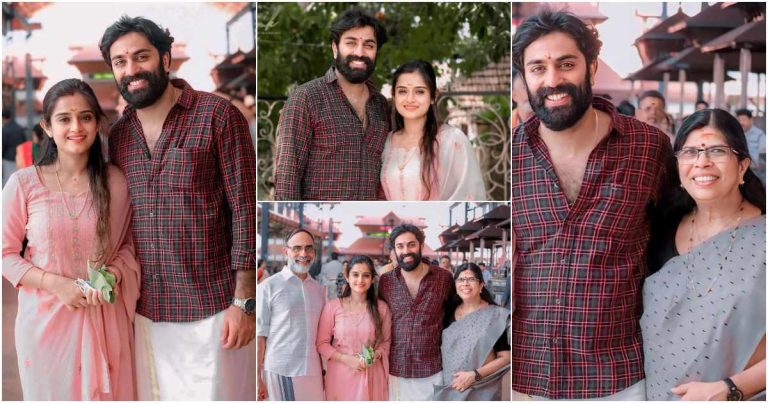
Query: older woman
[[704, 311], [475, 345]]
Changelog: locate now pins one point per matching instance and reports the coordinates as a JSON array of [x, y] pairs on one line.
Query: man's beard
[[561, 117], [354, 76], [297, 267], [409, 266], [143, 97]]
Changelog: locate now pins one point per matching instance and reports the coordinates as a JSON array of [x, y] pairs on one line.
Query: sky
[[68, 24]]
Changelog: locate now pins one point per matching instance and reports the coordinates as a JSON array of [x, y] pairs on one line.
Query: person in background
[[262, 272], [329, 274], [29, 151], [651, 110], [701, 104], [445, 263], [626, 108], [13, 136], [755, 142]]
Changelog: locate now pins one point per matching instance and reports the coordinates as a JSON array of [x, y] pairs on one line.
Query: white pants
[[185, 361], [635, 392], [403, 389]]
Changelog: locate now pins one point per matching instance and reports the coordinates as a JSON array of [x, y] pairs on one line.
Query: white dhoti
[[185, 361], [294, 388], [401, 389]]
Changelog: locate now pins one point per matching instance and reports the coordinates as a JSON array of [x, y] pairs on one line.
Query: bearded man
[[332, 129], [417, 294], [191, 170], [289, 305], [583, 177]]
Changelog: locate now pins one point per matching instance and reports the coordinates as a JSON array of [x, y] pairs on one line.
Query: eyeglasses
[[297, 249], [689, 155], [467, 280]]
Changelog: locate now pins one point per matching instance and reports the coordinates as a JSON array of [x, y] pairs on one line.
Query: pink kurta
[[85, 354], [350, 332]]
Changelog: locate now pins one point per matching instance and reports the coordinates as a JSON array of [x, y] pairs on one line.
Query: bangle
[[477, 375]]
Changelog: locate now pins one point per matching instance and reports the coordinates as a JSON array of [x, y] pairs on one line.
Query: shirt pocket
[[189, 168]]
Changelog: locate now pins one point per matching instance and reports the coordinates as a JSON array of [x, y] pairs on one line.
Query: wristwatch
[[248, 305], [734, 394]]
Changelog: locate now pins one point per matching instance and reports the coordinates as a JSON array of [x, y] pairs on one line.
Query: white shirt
[[287, 313]]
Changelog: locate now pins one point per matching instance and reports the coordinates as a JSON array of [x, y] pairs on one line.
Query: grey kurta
[[687, 337], [465, 346]]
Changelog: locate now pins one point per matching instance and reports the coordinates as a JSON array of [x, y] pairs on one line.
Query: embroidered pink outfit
[[85, 354], [350, 331], [458, 172]]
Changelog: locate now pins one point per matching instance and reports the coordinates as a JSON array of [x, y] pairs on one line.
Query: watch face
[[250, 305]]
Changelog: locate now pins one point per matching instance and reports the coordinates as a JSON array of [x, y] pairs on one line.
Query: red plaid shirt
[[194, 205], [580, 268], [417, 324], [323, 152]]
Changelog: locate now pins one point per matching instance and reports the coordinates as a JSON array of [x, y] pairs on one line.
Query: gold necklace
[[72, 215], [689, 265]]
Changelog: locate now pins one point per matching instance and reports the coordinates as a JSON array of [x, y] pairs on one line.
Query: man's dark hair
[[296, 231], [402, 229], [357, 18], [744, 112], [481, 264], [653, 94], [445, 257], [6, 113], [334, 256], [548, 21], [701, 101], [159, 38], [626, 108]]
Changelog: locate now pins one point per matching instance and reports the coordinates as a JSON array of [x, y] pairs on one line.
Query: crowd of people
[[639, 264], [415, 331]]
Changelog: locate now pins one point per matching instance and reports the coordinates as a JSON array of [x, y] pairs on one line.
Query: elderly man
[[289, 305]]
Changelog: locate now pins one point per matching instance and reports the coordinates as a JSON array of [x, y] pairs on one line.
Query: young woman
[[475, 345], [74, 210], [349, 324], [703, 320], [423, 160]]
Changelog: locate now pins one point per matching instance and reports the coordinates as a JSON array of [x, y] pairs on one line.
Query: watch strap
[[734, 394]]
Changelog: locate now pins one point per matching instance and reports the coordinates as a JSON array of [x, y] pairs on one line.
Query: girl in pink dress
[[354, 321], [73, 209]]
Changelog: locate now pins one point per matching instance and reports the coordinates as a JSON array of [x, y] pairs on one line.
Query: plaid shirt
[[417, 324], [194, 205], [579, 269], [323, 152]]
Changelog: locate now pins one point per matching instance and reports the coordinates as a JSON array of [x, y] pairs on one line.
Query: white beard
[[298, 267]]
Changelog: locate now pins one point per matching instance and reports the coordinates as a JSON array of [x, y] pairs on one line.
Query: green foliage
[[294, 42]]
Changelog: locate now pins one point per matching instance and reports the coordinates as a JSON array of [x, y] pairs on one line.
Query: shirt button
[[557, 301], [554, 185], [555, 340], [152, 245], [151, 213], [562, 261]]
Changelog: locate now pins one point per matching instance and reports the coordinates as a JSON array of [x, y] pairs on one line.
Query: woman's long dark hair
[[455, 300], [428, 144], [97, 169], [370, 295], [680, 202]]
